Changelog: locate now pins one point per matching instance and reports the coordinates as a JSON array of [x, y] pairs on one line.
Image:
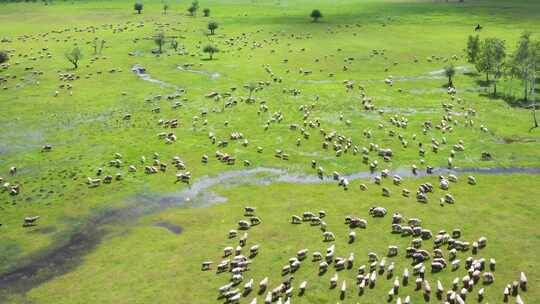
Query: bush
[[206, 12]]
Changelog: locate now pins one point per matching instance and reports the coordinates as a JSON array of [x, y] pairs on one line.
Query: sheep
[[522, 281], [333, 281], [237, 279], [307, 216], [352, 237], [243, 225], [392, 251], [248, 211], [350, 261], [263, 285], [455, 264], [488, 278], [382, 266], [329, 236], [295, 219], [46, 148], [471, 180], [373, 279], [323, 267], [268, 298], [343, 288], [396, 228], [377, 211], [317, 256], [397, 218], [436, 267], [255, 220], [206, 265], [227, 251], [482, 242], [93, 182], [254, 250], [301, 254], [440, 290], [30, 221], [339, 264], [390, 271], [492, 264], [302, 288], [243, 239], [232, 233]]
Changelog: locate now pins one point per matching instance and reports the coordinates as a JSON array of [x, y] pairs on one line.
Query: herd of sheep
[[448, 250]]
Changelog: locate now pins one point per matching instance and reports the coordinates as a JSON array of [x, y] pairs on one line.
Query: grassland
[[136, 262]]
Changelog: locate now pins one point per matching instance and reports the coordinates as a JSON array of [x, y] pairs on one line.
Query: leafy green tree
[[193, 8], [535, 62], [174, 44], [491, 59], [74, 56], [522, 62], [251, 87], [212, 26], [211, 50], [473, 48], [165, 8], [206, 12], [4, 57], [316, 15], [138, 7], [159, 40], [450, 72]]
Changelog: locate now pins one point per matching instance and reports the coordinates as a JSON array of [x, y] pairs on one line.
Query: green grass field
[[102, 245]]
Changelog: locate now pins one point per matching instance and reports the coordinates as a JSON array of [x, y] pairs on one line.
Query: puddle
[[511, 140], [212, 75], [171, 227], [141, 71]]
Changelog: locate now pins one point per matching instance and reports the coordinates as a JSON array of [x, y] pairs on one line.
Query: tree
[[74, 56], [174, 44], [211, 50], [4, 57], [473, 47], [206, 12], [521, 62], [193, 8], [535, 60], [251, 87], [138, 7], [212, 26], [491, 59], [165, 8], [316, 15], [450, 71], [159, 40]]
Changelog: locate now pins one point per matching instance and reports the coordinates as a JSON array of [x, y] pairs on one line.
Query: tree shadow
[[471, 74], [483, 82], [511, 100]]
